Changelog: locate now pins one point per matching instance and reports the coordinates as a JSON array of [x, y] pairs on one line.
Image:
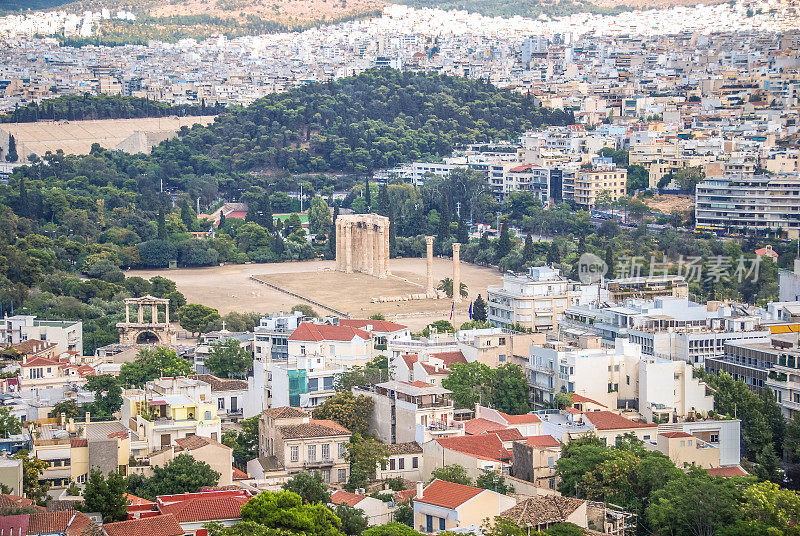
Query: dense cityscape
[[400, 272]]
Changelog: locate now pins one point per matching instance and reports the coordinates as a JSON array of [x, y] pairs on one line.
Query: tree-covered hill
[[358, 124]]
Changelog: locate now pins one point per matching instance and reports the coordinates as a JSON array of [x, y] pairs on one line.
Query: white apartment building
[[302, 383], [408, 412], [344, 345], [744, 203], [621, 377], [67, 335], [669, 327], [535, 300]]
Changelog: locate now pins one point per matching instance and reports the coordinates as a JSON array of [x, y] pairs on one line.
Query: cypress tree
[[479, 310], [12, 155], [527, 250], [367, 193], [332, 234]]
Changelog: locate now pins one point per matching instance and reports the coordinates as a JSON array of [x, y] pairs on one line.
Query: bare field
[[667, 203], [229, 288], [280, 11]]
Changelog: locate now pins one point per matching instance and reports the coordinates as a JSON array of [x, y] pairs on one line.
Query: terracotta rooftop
[[14, 501], [345, 497], [485, 446], [133, 500], [481, 425], [404, 448], [673, 435], [606, 420], [68, 522], [409, 360], [32, 346], [313, 428], [542, 510], [285, 412], [542, 441], [205, 508], [451, 357], [528, 418], [381, 326], [580, 398], [727, 472], [161, 525], [307, 331], [507, 434], [221, 384], [195, 442], [447, 494]]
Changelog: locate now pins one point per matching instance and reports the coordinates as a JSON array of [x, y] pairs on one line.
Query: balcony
[[444, 428], [319, 463]]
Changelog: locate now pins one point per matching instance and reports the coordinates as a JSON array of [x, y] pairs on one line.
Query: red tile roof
[[70, 522], [345, 497], [580, 398], [451, 357], [673, 435], [196, 442], [133, 500], [239, 475], [382, 326], [481, 426], [40, 362], [307, 331], [410, 359], [205, 508], [507, 434], [285, 412], [528, 418], [162, 525], [727, 472], [447, 494], [484, 446], [606, 420], [78, 443], [33, 346], [14, 501], [405, 495], [523, 167], [431, 369], [543, 441], [418, 384]]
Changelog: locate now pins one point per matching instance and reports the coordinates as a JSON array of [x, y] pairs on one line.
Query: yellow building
[[447, 506], [588, 184]]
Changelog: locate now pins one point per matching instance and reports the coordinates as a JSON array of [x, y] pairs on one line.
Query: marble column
[[430, 288], [348, 247], [456, 272], [127, 313], [155, 313], [140, 313]]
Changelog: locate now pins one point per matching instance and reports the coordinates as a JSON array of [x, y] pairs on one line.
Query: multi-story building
[[622, 377], [410, 412], [447, 506], [302, 383], [744, 203], [272, 336], [40, 373], [647, 287], [290, 440], [343, 345], [230, 396], [168, 409], [67, 335], [535, 300], [602, 177]]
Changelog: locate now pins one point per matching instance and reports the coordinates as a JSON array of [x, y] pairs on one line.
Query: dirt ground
[[229, 288], [282, 10], [667, 203]]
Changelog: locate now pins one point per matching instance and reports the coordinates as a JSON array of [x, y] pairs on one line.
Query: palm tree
[[446, 285]]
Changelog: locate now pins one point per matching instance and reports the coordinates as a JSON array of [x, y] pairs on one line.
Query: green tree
[[32, 469], [364, 454], [510, 390], [285, 510], [161, 286], [565, 529], [562, 400], [638, 179], [504, 244], [69, 408], [579, 457], [306, 309], [245, 442], [107, 394], [494, 481], [769, 504], [696, 504], [195, 317], [792, 439], [446, 286], [9, 424], [228, 359], [106, 495], [319, 217], [354, 413], [471, 384], [405, 514], [183, 474], [391, 529], [354, 521], [152, 363], [479, 309], [309, 486], [553, 254], [11, 155], [452, 473], [528, 254]]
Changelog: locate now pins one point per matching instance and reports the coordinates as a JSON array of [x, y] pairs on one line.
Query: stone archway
[[147, 337], [146, 328]]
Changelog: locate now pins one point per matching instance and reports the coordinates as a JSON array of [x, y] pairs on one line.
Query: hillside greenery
[[80, 107]]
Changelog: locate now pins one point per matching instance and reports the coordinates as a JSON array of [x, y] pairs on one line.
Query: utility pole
[[301, 197]]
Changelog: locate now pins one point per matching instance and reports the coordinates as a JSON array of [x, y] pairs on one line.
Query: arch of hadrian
[[362, 244], [130, 332]]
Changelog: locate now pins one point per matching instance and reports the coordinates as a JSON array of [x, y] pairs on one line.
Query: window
[[441, 523], [312, 453], [326, 452], [391, 464], [331, 349], [294, 453], [714, 438], [401, 463], [326, 475], [414, 462], [313, 384], [646, 437], [342, 475], [327, 382], [342, 450], [551, 461], [683, 443], [428, 523], [208, 415], [220, 403], [502, 357], [302, 349]]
